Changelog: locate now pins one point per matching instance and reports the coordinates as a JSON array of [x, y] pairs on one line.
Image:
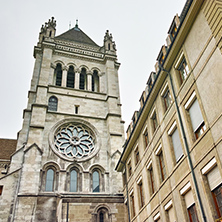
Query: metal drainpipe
[[127, 192], [186, 146], [67, 212]]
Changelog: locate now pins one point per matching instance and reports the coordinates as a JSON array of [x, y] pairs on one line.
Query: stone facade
[[72, 134], [171, 162]]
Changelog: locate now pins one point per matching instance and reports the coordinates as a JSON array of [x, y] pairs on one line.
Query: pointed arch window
[[73, 181], [58, 75], [96, 181], [70, 77], [53, 103], [49, 185], [95, 81], [82, 79]]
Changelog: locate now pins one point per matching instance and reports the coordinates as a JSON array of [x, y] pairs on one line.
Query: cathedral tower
[[69, 144]]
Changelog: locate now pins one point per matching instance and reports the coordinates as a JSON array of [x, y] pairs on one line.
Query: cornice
[[75, 45]]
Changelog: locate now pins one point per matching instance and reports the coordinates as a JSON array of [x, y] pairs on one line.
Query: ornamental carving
[[74, 141]]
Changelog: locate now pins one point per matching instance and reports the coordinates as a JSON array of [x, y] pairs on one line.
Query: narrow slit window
[[96, 181], [49, 180], [73, 181], [58, 74], [70, 77]]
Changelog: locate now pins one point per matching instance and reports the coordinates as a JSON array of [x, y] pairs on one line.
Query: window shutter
[[214, 178], [189, 198], [195, 115], [177, 145]]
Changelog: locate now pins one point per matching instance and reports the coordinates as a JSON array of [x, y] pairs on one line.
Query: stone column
[[77, 79], [89, 81], [64, 76]]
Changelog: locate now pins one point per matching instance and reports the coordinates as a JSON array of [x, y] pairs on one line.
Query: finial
[[76, 23], [69, 25]]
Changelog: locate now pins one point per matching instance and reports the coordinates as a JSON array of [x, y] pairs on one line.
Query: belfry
[[72, 133]]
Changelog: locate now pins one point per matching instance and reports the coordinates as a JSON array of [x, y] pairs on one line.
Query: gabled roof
[[76, 35], [7, 148]]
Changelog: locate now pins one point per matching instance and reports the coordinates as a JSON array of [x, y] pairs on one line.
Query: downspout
[[67, 213], [127, 191], [186, 146]]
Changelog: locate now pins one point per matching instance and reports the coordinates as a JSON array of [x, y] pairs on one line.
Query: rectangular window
[[137, 156], [215, 184], [129, 168], [76, 109], [217, 197], [151, 177], [183, 70], [178, 151], [197, 119], [192, 214], [162, 166], [1, 189], [146, 139], [132, 203], [167, 99], [154, 121], [140, 191]]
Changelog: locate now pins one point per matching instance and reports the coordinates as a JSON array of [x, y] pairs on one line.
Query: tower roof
[[76, 35]]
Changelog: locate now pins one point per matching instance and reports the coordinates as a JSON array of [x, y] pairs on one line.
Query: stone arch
[[102, 213], [94, 171], [50, 166], [76, 184]]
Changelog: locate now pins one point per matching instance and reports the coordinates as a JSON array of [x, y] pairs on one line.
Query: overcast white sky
[[139, 29]]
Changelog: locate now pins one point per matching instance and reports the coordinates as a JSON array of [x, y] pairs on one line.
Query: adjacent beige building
[[72, 135], [171, 162]]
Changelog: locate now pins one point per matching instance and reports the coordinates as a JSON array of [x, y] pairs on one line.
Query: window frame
[[47, 180], [192, 102], [162, 166], [53, 105], [146, 137], [70, 80], [132, 204], [58, 74], [137, 155], [140, 192], [171, 132], [98, 182], [151, 178]]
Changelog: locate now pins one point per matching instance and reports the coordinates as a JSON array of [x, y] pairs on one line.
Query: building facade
[[72, 134], [171, 162]]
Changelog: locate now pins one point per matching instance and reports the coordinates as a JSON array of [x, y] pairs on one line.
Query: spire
[[109, 44]]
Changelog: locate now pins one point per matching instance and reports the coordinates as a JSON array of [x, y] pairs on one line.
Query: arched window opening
[[70, 77], [95, 81], [95, 178], [50, 33], [82, 79], [49, 185], [101, 217], [53, 103], [73, 181], [58, 74]]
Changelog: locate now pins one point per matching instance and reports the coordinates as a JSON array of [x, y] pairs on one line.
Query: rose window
[[74, 141]]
